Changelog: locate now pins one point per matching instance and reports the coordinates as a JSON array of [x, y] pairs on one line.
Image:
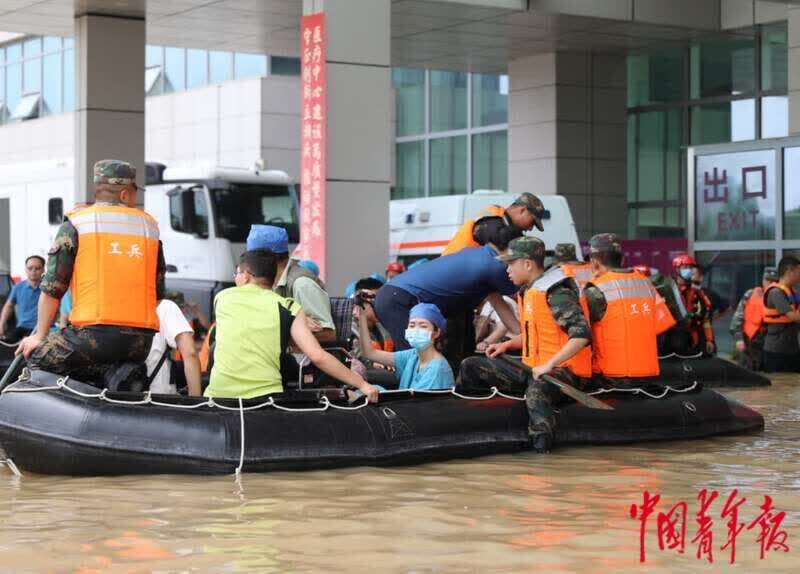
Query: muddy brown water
[[564, 512]]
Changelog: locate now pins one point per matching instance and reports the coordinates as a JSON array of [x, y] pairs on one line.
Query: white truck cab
[[204, 216], [421, 228]]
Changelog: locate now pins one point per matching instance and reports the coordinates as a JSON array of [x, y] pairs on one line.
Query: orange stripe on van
[[419, 244]]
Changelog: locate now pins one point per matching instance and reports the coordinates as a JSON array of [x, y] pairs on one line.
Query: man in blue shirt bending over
[[454, 283], [25, 295]]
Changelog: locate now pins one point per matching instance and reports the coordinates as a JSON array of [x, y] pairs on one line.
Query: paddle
[[10, 371], [568, 390]]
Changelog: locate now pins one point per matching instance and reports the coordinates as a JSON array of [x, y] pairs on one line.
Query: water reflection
[[566, 512]]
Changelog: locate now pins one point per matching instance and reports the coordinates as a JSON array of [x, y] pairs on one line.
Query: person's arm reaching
[[308, 344], [191, 363], [513, 344], [571, 348], [365, 342], [48, 307], [5, 315], [505, 313]]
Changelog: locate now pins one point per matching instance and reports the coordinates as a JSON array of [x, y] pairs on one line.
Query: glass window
[[448, 165], [188, 212], [730, 273], [409, 89], [280, 66], [651, 156], [69, 78], [250, 65], [153, 56], [791, 193], [631, 151], [220, 66], [51, 90], [735, 196], [238, 206], [13, 85], [175, 69], [490, 161], [69, 43], [724, 122], [153, 81], [774, 58], [673, 154], [722, 68], [774, 117], [196, 68], [410, 170], [448, 100], [52, 44], [32, 76], [655, 78], [14, 53], [33, 47], [27, 108], [489, 100]]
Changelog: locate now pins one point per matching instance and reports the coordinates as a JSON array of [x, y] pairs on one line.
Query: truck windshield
[[238, 206]]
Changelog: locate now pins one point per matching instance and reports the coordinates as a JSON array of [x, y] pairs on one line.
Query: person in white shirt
[[489, 329], [174, 333]]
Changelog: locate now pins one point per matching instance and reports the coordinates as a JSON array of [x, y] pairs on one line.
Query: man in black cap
[[499, 226]]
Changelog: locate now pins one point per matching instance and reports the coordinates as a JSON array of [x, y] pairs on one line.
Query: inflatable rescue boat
[[711, 372], [53, 425]]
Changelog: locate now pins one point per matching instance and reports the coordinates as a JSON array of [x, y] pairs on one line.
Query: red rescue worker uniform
[[542, 337], [624, 340], [698, 305], [120, 245], [465, 237]]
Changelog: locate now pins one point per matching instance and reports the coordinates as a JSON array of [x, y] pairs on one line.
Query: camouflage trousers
[[541, 398], [88, 354]]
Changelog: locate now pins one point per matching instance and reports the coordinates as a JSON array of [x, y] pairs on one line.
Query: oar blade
[[579, 396]]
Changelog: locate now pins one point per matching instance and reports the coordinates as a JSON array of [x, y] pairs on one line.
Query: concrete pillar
[[358, 137], [109, 103], [567, 134], [794, 70]]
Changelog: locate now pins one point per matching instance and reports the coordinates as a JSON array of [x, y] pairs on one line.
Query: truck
[[204, 216], [421, 228]]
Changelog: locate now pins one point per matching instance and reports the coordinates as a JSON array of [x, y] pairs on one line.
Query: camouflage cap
[[565, 252], [770, 274], [523, 248], [114, 172], [605, 243], [534, 205]]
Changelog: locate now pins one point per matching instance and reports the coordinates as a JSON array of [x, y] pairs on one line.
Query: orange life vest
[[205, 349], [464, 236], [541, 335], [664, 319], [773, 316], [754, 313], [385, 345], [114, 278], [580, 272], [624, 340]]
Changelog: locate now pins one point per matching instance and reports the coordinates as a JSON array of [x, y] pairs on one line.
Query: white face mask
[[685, 273]]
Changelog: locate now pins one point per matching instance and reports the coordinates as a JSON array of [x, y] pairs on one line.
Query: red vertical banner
[[313, 141]]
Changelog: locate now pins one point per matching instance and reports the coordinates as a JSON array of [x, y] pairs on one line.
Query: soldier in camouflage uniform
[[565, 253], [88, 353], [749, 352], [525, 258]]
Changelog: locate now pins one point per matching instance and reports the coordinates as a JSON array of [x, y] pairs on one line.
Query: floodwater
[[564, 512]]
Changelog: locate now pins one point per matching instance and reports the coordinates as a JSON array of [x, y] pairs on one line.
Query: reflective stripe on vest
[[773, 316], [581, 272], [754, 313], [114, 278], [624, 340], [542, 337], [464, 236]]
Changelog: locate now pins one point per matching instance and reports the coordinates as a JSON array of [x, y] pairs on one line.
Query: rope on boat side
[[9, 345], [639, 390], [697, 356], [11, 466], [241, 434]]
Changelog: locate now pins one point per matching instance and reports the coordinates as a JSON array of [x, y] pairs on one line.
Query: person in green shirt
[[254, 327]]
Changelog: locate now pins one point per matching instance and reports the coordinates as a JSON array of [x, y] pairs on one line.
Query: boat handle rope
[[9, 345], [324, 402], [697, 356], [241, 434], [11, 466]]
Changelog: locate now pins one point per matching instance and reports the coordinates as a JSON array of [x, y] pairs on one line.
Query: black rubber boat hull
[[58, 432], [712, 372]]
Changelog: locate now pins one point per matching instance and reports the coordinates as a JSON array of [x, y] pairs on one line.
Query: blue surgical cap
[[268, 237], [429, 312], [310, 266]]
